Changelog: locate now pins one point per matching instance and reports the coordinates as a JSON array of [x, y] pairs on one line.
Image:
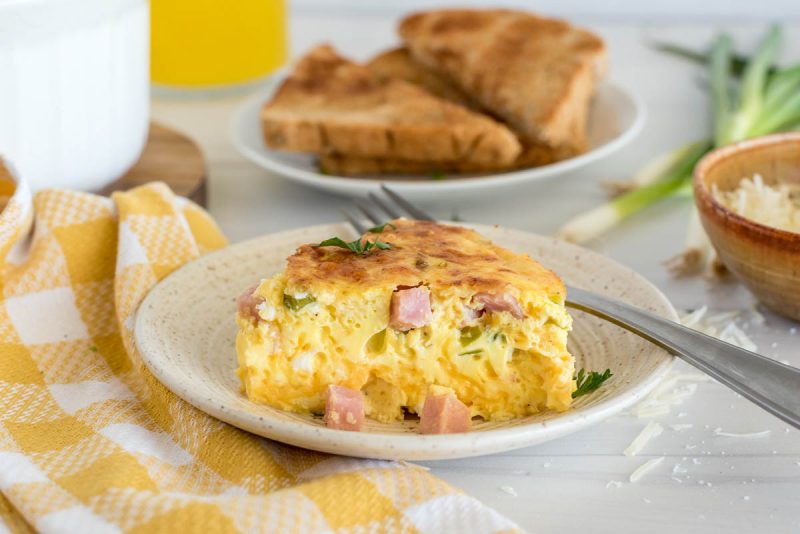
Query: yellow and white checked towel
[[91, 442]]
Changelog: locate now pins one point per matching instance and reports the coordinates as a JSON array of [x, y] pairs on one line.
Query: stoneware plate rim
[[153, 327], [245, 133]]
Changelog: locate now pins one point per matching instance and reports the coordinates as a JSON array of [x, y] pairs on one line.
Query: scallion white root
[[697, 254], [615, 188], [601, 219], [718, 268], [589, 225], [652, 171]]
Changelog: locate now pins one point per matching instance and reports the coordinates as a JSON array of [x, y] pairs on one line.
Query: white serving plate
[[615, 118], [185, 333]]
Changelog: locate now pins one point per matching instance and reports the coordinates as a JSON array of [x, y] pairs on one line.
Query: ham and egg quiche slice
[[414, 317]]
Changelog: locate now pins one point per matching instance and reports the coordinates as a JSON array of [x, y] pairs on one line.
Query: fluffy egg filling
[[495, 332]]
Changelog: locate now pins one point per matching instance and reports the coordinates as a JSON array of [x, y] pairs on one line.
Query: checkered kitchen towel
[[91, 442]]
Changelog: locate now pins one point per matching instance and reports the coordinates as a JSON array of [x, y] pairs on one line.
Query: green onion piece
[[376, 343], [754, 81], [296, 304], [598, 220], [476, 351], [782, 116], [655, 170], [768, 101], [469, 334], [780, 86], [738, 61], [719, 65], [680, 51], [686, 190]]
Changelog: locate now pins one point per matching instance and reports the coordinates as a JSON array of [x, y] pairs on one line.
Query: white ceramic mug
[[74, 89]]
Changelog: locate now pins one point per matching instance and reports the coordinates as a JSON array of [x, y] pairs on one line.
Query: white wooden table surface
[[721, 483]]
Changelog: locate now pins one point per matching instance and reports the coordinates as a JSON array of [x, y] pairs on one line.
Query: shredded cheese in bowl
[[772, 205]]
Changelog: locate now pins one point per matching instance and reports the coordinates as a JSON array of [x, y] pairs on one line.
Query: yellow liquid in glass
[[206, 43]]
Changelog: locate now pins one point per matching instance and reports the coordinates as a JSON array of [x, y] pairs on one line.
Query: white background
[[623, 11], [730, 485]]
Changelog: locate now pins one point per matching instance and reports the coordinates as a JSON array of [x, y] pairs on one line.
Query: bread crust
[[345, 165], [331, 105]]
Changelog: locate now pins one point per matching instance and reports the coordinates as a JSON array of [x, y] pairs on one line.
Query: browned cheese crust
[[435, 254]]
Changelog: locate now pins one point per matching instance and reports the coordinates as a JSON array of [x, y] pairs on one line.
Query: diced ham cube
[[247, 303], [344, 408], [444, 414], [500, 303], [410, 308]]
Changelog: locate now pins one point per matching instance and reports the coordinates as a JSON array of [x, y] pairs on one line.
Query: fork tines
[[379, 210]]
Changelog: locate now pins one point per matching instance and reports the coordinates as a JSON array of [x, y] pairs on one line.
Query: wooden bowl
[[765, 259]]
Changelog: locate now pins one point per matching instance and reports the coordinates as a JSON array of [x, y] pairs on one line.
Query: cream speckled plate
[[185, 332]]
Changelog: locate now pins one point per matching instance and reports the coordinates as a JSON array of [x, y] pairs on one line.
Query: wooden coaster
[[171, 157]]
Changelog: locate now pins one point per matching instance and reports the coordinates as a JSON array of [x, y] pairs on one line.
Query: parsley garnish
[[360, 246], [381, 228], [587, 383]]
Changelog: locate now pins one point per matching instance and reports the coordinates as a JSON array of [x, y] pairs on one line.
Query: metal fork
[[773, 386]]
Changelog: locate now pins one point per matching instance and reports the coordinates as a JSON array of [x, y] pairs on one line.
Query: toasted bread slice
[[398, 63], [537, 74], [343, 165], [329, 104]]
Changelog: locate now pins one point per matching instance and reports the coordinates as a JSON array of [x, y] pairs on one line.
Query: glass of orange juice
[[212, 44]]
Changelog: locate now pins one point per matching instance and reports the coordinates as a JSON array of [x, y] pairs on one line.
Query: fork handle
[[771, 385]]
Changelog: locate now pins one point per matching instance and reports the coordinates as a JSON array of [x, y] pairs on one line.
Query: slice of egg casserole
[[435, 310]]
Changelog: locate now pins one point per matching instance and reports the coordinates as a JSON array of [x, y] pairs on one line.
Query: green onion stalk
[[652, 171], [698, 250], [602, 218], [749, 97]]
